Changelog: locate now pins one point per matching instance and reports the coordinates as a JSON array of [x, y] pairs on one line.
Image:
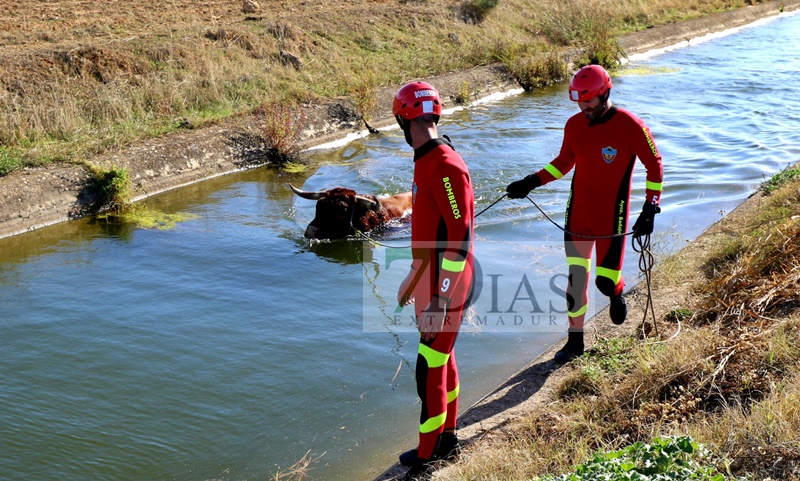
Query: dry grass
[[80, 77], [281, 126], [296, 472], [728, 380]]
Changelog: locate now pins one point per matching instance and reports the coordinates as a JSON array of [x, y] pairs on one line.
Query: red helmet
[[588, 83], [415, 100]]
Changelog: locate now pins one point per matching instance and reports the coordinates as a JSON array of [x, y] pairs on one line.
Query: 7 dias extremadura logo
[[512, 289]]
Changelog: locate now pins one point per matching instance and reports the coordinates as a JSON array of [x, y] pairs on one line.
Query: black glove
[[644, 224], [521, 188]]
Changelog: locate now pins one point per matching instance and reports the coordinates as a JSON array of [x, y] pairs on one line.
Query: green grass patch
[[609, 358], [664, 458], [680, 314], [9, 160], [112, 188], [779, 179]]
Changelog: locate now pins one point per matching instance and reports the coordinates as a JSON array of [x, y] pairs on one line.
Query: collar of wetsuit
[[605, 117], [430, 145]]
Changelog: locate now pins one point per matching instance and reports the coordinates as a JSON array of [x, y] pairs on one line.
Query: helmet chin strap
[[405, 126], [604, 101], [601, 109]]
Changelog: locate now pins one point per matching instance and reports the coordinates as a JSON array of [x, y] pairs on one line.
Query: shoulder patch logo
[[609, 154]]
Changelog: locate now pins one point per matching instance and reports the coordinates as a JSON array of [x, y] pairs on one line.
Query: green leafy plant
[[112, 188], [779, 179], [475, 11], [665, 458], [8, 161], [589, 28], [679, 314]]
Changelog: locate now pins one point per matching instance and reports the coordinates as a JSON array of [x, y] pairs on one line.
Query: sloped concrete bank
[[37, 197]]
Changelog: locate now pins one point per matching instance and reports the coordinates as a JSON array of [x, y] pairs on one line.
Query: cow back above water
[[341, 212]]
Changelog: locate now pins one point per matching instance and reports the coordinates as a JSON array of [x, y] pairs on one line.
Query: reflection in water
[[141, 217], [344, 251], [359, 249], [113, 226]]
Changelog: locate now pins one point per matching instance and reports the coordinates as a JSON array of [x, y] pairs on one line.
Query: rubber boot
[[572, 349], [447, 449], [618, 309], [420, 470]]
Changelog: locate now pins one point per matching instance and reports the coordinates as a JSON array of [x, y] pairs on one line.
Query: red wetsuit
[[441, 239], [603, 153]]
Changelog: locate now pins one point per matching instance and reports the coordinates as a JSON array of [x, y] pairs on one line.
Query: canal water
[[229, 347]]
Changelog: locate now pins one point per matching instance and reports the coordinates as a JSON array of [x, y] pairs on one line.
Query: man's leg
[[433, 363], [610, 256], [579, 259]]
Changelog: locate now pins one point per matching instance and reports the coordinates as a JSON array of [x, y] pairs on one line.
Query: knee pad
[[606, 286]]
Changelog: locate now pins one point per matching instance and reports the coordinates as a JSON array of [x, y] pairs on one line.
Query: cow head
[[340, 212]]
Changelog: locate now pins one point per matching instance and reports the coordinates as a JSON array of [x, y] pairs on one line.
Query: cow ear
[[367, 203], [308, 195]]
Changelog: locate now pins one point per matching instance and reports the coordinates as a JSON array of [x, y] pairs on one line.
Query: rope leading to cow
[[641, 245]]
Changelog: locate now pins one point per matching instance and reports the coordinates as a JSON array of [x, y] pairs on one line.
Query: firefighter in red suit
[[601, 143], [439, 281]]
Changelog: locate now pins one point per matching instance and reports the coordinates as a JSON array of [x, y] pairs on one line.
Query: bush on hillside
[[474, 11]]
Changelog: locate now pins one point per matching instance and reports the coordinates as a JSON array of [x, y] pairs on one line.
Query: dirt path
[[37, 197]]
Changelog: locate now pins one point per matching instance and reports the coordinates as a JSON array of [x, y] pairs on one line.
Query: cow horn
[[368, 203], [308, 195]]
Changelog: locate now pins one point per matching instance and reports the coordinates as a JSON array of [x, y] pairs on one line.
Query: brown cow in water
[[340, 212]]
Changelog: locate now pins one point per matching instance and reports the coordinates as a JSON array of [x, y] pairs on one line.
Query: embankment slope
[[36, 197]]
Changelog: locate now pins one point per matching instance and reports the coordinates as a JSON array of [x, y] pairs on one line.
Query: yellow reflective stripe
[[612, 274], [433, 423], [553, 171], [579, 312], [579, 261], [654, 185], [453, 266], [432, 357], [452, 395]]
